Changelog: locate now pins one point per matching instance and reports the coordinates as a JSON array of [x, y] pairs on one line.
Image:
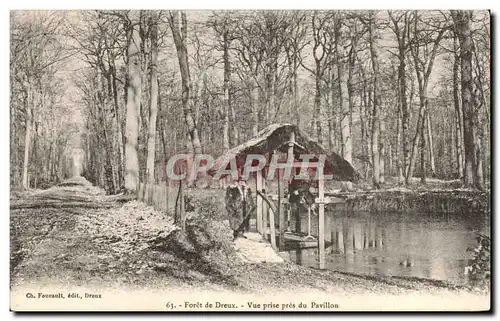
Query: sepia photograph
[[250, 160]]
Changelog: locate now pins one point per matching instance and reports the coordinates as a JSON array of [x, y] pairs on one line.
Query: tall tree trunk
[[296, 94], [271, 95], [234, 133], [416, 139], [401, 35], [382, 149], [330, 133], [317, 106], [108, 165], [180, 41], [343, 95], [405, 117], [102, 100], [431, 143], [423, 167], [364, 112], [458, 112], [377, 101], [163, 139], [133, 103], [482, 125], [362, 121], [254, 102], [27, 135], [479, 167], [227, 101], [34, 155], [479, 104], [153, 109], [390, 165], [453, 148], [463, 29], [423, 67], [14, 156], [479, 156], [400, 162], [368, 112], [119, 125], [332, 117]]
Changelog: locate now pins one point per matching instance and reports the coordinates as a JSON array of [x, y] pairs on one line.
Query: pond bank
[[405, 200]]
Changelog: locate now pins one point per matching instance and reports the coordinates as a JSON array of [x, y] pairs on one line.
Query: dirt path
[[74, 235]]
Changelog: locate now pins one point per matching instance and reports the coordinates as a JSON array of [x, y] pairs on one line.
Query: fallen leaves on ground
[[129, 227]]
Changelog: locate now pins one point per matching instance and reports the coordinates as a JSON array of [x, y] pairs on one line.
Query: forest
[[399, 94]]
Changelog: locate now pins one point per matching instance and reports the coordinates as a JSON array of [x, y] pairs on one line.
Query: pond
[[423, 245]]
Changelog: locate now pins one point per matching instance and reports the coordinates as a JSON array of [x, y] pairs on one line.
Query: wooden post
[[155, 197], [259, 201], [290, 147], [166, 196], [272, 226], [150, 195], [161, 199], [181, 209], [321, 224], [158, 200], [265, 212], [333, 239], [281, 211], [138, 193], [290, 159], [288, 214]]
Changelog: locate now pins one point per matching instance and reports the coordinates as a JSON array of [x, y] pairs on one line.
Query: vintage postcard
[[265, 160]]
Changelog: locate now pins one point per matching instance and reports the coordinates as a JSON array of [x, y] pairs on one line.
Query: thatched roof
[[276, 137]]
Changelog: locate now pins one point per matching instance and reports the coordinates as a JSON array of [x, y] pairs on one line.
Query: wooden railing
[[266, 214], [165, 198], [278, 205]]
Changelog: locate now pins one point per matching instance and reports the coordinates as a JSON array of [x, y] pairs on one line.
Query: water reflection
[[400, 244]]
